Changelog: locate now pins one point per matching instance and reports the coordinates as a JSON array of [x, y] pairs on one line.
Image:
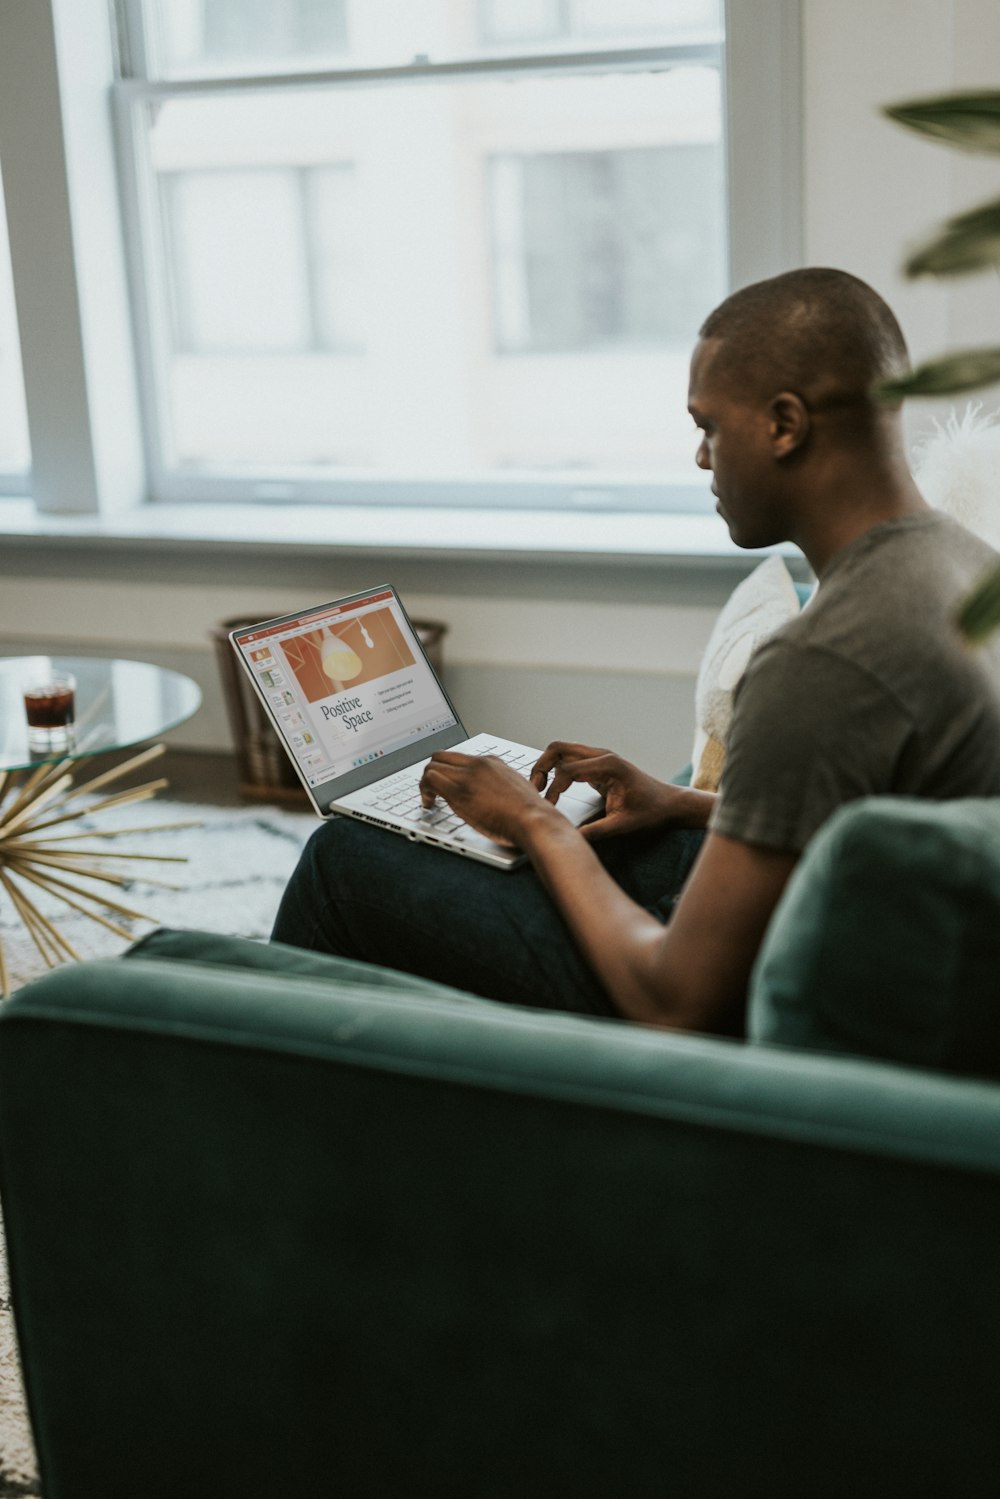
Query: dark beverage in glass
[[49, 707]]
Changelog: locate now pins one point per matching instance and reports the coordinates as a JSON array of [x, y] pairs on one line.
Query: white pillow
[[757, 607]]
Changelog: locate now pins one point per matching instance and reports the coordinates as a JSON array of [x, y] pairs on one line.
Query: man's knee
[[349, 868]]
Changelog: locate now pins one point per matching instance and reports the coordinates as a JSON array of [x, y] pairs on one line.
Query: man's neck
[[874, 498]]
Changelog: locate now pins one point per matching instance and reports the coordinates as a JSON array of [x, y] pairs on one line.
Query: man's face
[[735, 448]]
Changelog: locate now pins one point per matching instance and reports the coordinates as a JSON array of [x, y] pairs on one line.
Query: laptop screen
[[350, 690]]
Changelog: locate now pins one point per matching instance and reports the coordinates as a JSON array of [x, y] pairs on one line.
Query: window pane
[[15, 457], [600, 249], [439, 279], [334, 244], [642, 18], [221, 35], [610, 22], [522, 20], [262, 260], [236, 257], [237, 29], [199, 37]]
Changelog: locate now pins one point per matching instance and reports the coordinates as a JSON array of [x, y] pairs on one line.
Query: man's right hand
[[632, 799]]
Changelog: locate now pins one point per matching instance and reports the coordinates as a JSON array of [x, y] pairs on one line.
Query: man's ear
[[789, 423]]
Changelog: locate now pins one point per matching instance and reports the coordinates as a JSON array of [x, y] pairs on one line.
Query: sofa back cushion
[[887, 940]]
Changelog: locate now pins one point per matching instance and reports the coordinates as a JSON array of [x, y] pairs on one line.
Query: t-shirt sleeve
[[810, 731]]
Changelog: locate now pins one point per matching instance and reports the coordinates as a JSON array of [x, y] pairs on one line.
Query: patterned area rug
[[236, 867]]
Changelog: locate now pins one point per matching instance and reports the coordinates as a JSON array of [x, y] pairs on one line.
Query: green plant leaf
[[969, 120], [940, 377], [969, 242], [979, 615]]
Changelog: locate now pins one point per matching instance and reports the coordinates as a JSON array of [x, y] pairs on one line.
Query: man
[[644, 914]]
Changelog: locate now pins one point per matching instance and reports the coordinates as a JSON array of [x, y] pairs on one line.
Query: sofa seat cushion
[[887, 941]]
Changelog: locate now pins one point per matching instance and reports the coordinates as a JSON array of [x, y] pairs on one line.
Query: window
[[460, 254], [412, 251], [15, 457]]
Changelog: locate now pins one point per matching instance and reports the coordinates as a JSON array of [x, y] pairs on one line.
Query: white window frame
[[13, 481], [95, 430], [70, 287]]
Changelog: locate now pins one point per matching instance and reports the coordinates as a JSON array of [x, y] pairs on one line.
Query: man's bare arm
[[690, 975]]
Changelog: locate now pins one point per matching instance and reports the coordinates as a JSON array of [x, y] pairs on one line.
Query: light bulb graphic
[[369, 642], [340, 661]]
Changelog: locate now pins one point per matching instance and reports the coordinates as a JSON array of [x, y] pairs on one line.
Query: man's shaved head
[[822, 334]]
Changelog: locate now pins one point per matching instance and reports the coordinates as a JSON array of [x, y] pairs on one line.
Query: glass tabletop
[[118, 704]]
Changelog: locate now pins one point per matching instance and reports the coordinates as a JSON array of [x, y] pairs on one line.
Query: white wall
[[533, 650], [872, 189], [605, 653]]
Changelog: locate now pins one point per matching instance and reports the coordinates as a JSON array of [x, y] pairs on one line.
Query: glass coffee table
[[43, 797], [118, 704]]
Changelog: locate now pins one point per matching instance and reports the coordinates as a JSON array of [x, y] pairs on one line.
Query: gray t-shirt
[[870, 690]]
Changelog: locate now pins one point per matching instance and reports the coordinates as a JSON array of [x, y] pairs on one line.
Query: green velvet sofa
[[280, 1226]]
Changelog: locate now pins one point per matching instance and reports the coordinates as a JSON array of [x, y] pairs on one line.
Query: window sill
[[444, 534]]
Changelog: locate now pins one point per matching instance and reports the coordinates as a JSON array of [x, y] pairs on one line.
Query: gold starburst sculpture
[[36, 852]]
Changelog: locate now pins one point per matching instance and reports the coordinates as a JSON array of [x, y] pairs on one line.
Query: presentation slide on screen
[[347, 686]]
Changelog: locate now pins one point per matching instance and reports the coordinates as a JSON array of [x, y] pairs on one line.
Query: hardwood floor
[[198, 776], [203, 776]]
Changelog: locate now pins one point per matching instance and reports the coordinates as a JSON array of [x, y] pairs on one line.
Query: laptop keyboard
[[399, 794]]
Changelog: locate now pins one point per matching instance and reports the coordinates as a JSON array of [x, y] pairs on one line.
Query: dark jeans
[[364, 893]]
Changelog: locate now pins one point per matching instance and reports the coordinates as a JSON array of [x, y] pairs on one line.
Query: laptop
[[360, 710]]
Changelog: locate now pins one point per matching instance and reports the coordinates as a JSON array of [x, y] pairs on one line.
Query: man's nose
[[701, 456]]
